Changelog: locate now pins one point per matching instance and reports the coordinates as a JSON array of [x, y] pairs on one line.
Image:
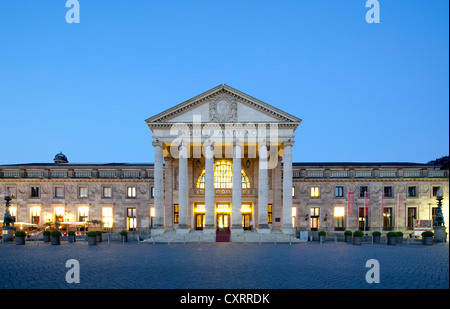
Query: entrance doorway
[[223, 216], [199, 216]]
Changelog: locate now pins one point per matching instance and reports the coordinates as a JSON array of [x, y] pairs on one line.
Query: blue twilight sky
[[365, 92]]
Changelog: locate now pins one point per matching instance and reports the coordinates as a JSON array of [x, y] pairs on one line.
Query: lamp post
[[438, 223], [8, 222]]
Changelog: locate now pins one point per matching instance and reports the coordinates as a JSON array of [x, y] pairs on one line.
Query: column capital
[[157, 143], [208, 143], [290, 142], [237, 142]]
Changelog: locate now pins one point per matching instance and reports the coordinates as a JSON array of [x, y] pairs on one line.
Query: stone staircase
[[235, 237]]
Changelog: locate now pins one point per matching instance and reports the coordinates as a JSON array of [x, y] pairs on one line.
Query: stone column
[[183, 226], [287, 188], [236, 201], [158, 225], [209, 187], [263, 189]]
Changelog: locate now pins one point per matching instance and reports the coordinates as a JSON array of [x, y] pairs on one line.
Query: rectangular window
[[388, 192], [59, 192], [107, 192], [363, 190], [339, 218], [59, 214], [412, 215], [293, 191], [412, 192], [387, 219], [131, 191], [339, 192], [131, 219], [269, 213], [176, 213], [83, 214], [314, 215], [433, 214], [153, 192], [294, 216], [13, 213], [83, 192], [107, 217], [35, 215], [363, 223], [34, 191], [435, 190], [315, 191]]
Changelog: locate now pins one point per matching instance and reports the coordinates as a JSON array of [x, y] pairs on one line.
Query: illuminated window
[[269, 213], [339, 218], [107, 192], [131, 191], [131, 219], [107, 216], [294, 216], [315, 191], [223, 176], [83, 214], [13, 213], [35, 215], [59, 214], [176, 213], [293, 191]]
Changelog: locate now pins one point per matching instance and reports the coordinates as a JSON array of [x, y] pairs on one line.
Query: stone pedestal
[[439, 234], [7, 234]]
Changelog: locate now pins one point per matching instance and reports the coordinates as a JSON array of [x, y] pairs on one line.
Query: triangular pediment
[[223, 104]]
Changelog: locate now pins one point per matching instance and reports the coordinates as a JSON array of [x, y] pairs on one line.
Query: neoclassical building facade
[[223, 161]]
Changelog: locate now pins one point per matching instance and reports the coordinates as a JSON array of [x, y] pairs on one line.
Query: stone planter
[[376, 239], [56, 240], [123, 238], [392, 240], [92, 241], [47, 238], [357, 240], [427, 241], [72, 239], [348, 239], [321, 239], [20, 240]]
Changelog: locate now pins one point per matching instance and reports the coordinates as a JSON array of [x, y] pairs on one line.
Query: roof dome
[[60, 158]]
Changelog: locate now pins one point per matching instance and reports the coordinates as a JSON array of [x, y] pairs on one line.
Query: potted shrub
[[72, 237], [123, 236], [20, 237], [92, 238], [322, 235], [391, 238], [427, 238], [46, 236], [357, 237], [56, 237], [399, 237], [376, 236], [99, 236], [348, 236]]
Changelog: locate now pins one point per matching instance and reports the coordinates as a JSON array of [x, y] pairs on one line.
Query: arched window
[[223, 176]]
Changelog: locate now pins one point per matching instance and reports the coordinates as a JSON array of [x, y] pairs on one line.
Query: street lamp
[[438, 223], [8, 222]]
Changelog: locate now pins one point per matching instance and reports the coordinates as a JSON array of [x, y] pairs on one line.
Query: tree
[[444, 161]]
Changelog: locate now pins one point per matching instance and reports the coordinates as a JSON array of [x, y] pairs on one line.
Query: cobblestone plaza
[[224, 266]]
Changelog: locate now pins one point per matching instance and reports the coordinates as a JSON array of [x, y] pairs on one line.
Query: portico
[[216, 159]]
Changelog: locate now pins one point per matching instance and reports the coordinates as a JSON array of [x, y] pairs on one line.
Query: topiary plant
[[46, 232], [358, 234], [399, 233], [92, 234], [123, 233], [348, 233], [427, 234], [322, 233], [20, 234], [71, 233], [55, 233], [376, 233], [392, 234]]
